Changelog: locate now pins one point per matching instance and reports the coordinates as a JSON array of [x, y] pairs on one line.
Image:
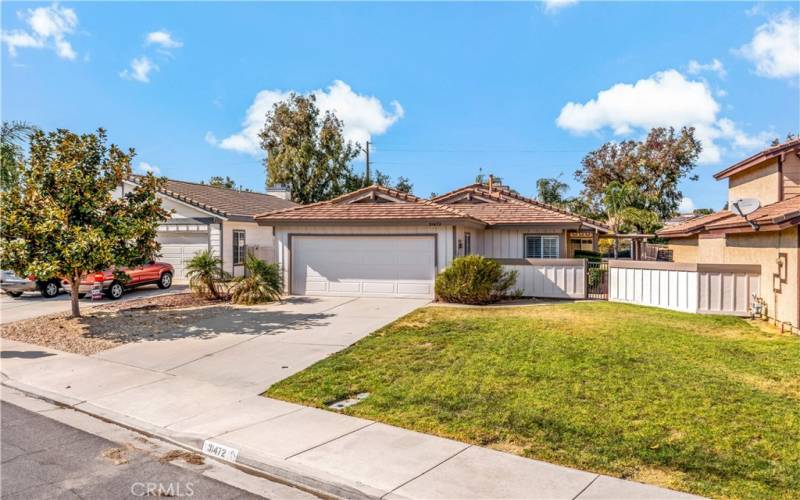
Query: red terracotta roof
[[346, 208], [759, 158], [769, 217], [508, 208], [222, 201], [535, 209]]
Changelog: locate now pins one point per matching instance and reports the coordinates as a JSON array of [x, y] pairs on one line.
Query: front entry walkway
[[203, 383]]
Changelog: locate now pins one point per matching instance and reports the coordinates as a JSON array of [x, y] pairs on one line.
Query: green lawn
[[705, 404]]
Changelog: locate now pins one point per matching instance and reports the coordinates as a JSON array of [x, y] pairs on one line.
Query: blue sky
[[522, 90]]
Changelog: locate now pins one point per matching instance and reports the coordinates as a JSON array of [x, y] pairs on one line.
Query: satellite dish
[[745, 206]]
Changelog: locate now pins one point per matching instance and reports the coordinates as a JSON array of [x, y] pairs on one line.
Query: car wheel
[[50, 289], [165, 281], [15, 294], [115, 291], [81, 295]]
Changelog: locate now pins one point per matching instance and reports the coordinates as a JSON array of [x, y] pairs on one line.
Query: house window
[[467, 243], [239, 248], [541, 247]]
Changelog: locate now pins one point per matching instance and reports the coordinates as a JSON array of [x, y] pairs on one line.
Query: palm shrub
[[206, 274], [262, 282], [474, 279]]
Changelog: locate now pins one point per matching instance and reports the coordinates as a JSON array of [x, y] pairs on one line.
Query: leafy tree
[[654, 167], [306, 151], [205, 274], [616, 198], [403, 183], [263, 282], [225, 182], [62, 221], [551, 190], [12, 155], [703, 211], [639, 220], [777, 141]]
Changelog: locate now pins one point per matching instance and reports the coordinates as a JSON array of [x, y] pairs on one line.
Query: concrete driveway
[[251, 348]]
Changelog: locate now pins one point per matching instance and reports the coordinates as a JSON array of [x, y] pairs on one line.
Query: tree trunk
[[74, 287]]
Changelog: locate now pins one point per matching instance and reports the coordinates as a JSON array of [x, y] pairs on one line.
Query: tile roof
[[777, 215], [534, 209], [344, 208], [756, 159], [223, 201], [508, 209]]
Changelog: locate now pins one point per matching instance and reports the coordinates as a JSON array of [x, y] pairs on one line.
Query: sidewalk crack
[[330, 440], [586, 487], [462, 450]]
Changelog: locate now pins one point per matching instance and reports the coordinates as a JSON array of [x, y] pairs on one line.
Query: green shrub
[[588, 255], [205, 274], [474, 279], [262, 283]]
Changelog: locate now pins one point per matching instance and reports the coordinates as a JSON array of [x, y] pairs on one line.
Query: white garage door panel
[[177, 248], [379, 266]]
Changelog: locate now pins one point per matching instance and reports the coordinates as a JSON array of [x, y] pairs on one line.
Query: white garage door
[[363, 266], [177, 248]]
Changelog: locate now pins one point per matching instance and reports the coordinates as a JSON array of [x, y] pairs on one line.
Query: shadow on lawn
[[146, 324]]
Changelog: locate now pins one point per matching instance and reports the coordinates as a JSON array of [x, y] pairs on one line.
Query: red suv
[[153, 273]]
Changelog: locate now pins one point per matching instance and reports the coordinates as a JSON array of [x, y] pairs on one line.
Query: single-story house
[[384, 243], [767, 238], [221, 220]]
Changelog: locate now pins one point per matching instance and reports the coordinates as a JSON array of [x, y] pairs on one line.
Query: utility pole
[[366, 176]]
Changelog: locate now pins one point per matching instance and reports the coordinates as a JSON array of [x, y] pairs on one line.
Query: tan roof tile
[[223, 201]]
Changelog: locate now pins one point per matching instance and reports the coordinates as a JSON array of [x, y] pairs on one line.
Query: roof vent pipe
[[491, 182]]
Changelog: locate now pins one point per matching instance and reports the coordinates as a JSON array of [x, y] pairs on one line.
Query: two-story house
[[769, 237]]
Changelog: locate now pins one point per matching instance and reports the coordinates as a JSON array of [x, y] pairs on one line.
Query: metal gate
[[597, 280]]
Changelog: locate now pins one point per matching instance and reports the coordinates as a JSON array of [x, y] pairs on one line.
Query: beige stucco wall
[[761, 183], [683, 249], [778, 284]]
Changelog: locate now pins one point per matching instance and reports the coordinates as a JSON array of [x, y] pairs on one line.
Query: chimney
[[491, 182], [280, 191]]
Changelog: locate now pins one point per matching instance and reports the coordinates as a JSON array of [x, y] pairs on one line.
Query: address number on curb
[[220, 451]]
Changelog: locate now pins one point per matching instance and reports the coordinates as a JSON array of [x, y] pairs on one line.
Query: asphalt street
[[46, 459]]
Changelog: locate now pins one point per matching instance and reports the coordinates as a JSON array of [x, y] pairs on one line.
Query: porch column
[[594, 240]]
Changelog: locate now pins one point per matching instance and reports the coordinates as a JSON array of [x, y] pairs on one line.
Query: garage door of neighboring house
[[363, 266], [179, 247]]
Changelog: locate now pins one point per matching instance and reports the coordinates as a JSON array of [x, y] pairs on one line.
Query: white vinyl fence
[[549, 278], [695, 288]]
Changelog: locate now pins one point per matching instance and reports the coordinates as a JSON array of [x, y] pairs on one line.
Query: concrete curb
[[303, 478]]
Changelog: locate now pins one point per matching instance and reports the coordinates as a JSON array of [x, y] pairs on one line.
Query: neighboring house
[[771, 242], [380, 242], [213, 218]]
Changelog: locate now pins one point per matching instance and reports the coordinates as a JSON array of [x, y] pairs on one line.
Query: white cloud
[[362, 116], [666, 99], [775, 47], [686, 205], [48, 26], [715, 66], [140, 70], [553, 6], [163, 39], [144, 168]]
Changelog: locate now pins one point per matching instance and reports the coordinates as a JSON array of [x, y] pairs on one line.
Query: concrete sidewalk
[[317, 450]]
